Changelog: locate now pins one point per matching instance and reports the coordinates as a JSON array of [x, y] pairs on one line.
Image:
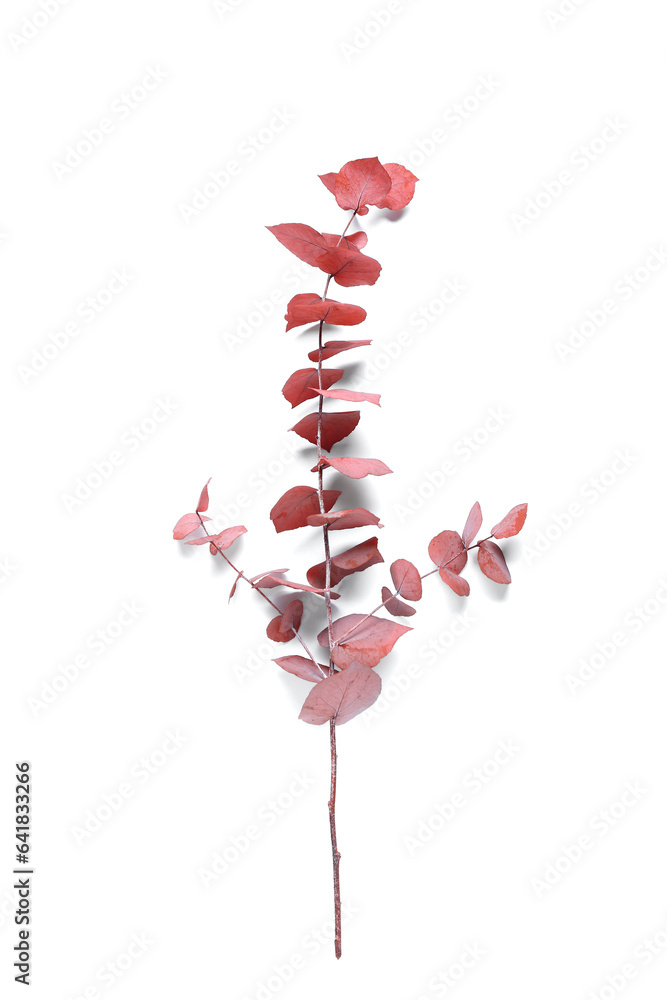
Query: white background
[[190, 664]]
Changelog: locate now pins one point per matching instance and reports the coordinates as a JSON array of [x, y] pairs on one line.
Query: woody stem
[[327, 597]]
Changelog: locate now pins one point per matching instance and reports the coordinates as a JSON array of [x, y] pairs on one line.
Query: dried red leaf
[[302, 667], [512, 523], [295, 507], [302, 384], [223, 540], [355, 468], [235, 584], [335, 427], [457, 583], [472, 525], [292, 616], [282, 627], [268, 573], [370, 639], [329, 181], [358, 239], [492, 562], [203, 499], [350, 396], [354, 560], [342, 696], [357, 517], [187, 524], [308, 307], [353, 241], [337, 347], [303, 241], [270, 581], [396, 607], [402, 187], [349, 268], [447, 549], [360, 183], [274, 633], [406, 579]]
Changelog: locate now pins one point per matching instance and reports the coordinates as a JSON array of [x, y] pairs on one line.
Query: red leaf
[[222, 540], [350, 395], [187, 524], [357, 517], [337, 347], [295, 507], [354, 560], [306, 243], [447, 549], [402, 187], [234, 585], [274, 633], [292, 616], [341, 696], [308, 307], [349, 242], [406, 579], [267, 573], [492, 562], [203, 499], [335, 427], [268, 582], [396, 607], [457, 583], [369, 640], [282, 627], [355, 468], [512, 523], [302, 667], [359, 239], [353, 241], [302, 384], [329, 181], [361, 182], [349, 267], [473, 524]]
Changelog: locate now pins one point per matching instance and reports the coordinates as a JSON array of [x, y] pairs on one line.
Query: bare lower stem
[[334, 844]]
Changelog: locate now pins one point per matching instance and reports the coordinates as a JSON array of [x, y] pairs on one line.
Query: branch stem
[[240, 575], [398, 594], [335, 853]]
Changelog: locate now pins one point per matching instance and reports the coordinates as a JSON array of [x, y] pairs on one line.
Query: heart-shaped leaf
[[342, 696], [365, 638], [447, 549]]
